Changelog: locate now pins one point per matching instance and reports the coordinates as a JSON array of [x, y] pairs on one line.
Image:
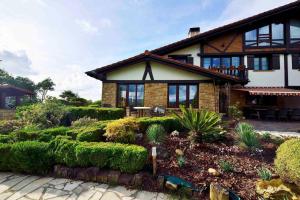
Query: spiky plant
[[199, 122], [247, 136], [156, 133]]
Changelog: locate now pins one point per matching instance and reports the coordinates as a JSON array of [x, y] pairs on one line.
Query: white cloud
[[16, 63], [86, 26]]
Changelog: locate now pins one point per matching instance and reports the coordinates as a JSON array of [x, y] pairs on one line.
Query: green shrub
[[156, 133], [63, 150], [23, 135], [264, 174], [85, 121], [5, 156], [247, 136], [61, 130], [199, 122], [266, 136], [7, 126], [169, 123], [6, 139], [126, 158], [287, 161], [30, 157], [226, 166], [122, 130], [95, 113], [90, 134], [44, 115], [234, 112]]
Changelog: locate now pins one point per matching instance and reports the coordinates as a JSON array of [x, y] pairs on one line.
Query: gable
[[160, 71]]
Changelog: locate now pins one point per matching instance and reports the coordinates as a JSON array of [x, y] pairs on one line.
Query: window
[[183, 58], [261, 63], [295, 31], [221, 61], [130, 95], [183, 94], [270, 35]]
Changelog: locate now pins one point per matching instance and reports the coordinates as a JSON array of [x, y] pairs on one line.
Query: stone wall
[[209, 96], [6, 114], [109, 94], [156, 94]]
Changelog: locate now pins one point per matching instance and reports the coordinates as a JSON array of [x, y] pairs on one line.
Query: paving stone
[[72, 185], [86, 195], [72, 197], [101, 188], [143, 195], [29, 188], [127, 198], [122, 191], [36, 194], [24, 183], [162, 196], [10, 183], [4, 176], [59, 181], [51, 193], [60, 187], [96, 196], [110, 196], [61, 197], [6, 195]]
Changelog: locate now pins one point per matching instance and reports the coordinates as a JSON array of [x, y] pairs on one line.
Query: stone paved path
[[25, 187]]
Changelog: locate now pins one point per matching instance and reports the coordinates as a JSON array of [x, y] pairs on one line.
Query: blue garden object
[[233, 196], [180, 181]]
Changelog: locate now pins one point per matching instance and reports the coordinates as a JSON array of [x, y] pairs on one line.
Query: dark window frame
[[269, 59], [221, 60], [295, 44], [196, 105], [269, 38], [127, 93], [179, 57]]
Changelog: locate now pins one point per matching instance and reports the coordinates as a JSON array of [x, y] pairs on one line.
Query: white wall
[[164, 72], [193, 50], [294, 74], [272, 78], [160, 72]]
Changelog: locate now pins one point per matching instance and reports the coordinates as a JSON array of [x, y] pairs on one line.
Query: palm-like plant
[[199, 122], [247, 136]]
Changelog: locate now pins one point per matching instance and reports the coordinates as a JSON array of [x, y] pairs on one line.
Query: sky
[[62, 39]]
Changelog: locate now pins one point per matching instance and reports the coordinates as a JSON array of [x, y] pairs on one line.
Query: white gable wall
[[194, 50], [160, 72]]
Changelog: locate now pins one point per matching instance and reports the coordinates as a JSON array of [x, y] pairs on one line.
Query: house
[[10, 97], [254, 61]]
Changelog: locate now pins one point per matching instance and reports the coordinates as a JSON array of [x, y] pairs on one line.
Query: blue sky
[[62, 39]]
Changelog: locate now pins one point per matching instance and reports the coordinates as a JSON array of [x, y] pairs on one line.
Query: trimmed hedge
[[287, 161], [126, 158], [29, 157], [169, 123], [95, 113]]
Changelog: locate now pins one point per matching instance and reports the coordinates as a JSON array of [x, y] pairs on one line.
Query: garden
[[184, 154]]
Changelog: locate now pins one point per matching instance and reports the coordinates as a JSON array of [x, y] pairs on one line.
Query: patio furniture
[[270, 114], [295, 115], [283, 114], [252, 114], [158, 111], [140, 110]]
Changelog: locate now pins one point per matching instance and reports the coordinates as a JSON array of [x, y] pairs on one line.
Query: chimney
[[194, 31]]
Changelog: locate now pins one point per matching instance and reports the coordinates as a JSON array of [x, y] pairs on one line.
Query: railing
[[240, 71]]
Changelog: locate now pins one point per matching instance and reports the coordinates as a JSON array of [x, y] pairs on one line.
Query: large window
[[295, 31], [130, 95], [183, 94], [221, 61], [270, 35], [261, 63]]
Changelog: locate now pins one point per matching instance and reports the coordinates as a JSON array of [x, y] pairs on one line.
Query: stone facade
[[156, 94], [209, 96], [109, 94]]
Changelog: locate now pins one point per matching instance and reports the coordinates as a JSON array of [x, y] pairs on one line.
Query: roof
[[270, 91], [12, 87], [148, 56], [221, 30]]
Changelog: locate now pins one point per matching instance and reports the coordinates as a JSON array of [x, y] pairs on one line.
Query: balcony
[[239, 72]]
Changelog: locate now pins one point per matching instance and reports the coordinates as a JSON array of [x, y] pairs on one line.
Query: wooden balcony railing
[[240, 71]]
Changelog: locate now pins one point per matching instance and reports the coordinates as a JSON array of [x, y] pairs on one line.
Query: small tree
[[68, 95], [44, 87], [199, 122]]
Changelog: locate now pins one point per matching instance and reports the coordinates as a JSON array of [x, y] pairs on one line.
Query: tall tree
[[44, 87], [68, 95]]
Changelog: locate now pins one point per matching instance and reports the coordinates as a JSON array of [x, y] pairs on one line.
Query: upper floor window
[[221, 61], [183, 58], [270, 35], [183, 94], [295, 31]]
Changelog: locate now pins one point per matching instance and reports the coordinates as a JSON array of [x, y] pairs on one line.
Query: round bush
[[287, 161]]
